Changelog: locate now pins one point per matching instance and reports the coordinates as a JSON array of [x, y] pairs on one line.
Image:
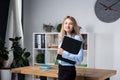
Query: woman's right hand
[[60, 51]]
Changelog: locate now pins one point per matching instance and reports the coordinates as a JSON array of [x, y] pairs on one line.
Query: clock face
[[107, 10]]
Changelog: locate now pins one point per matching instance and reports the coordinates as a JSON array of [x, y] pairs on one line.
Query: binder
[[72, 46]]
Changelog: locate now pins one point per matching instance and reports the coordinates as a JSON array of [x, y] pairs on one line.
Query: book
[[39, 41], [45, 66], [42, 40], [71, 45]]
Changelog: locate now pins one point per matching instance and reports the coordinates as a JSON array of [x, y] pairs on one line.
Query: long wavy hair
[[76, 28]]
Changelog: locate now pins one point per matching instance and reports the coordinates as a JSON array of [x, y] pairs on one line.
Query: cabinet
[[46, 44]]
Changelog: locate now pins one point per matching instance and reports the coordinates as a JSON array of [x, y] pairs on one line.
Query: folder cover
[[71, 45]]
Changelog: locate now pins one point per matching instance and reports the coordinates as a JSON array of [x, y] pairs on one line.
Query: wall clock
[[107, 10]]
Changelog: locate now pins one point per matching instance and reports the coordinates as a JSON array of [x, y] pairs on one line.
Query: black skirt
[[66, 72]]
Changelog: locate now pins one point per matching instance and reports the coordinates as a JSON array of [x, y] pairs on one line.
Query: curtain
[[14, 26], [4, 7]]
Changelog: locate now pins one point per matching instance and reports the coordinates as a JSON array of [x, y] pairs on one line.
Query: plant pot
[[4, 64], [5, 74], [48, 29]]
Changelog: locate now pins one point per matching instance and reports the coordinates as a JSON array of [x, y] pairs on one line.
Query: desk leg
[[107, 79]]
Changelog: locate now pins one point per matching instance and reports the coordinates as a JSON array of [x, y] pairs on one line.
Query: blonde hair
[[76, 29]]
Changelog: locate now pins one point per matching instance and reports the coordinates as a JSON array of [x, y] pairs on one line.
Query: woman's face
[[68, 25]]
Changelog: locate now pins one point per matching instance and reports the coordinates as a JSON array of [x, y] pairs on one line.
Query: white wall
[[37, 12]]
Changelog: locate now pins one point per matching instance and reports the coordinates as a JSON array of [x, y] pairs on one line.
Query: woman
[[69, 28]]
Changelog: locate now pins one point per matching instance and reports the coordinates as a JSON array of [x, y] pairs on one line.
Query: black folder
[[71, 45]]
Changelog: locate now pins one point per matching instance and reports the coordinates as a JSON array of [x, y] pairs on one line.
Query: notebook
[[71, 45]]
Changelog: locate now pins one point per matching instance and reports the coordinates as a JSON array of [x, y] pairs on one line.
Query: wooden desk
[[82, 73]]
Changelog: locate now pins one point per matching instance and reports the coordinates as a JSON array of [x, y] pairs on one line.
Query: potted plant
[[3, 54], [48, 27], [40, 58], [20, 55], [59, 26]]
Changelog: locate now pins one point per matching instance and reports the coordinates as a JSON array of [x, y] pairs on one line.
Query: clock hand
[[106, 7], [114, 4], [115, 10], [109, 7]]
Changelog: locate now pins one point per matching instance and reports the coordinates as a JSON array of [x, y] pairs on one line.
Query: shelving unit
[[46, 44]]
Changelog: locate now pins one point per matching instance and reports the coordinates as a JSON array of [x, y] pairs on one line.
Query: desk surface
[[87, 73]]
